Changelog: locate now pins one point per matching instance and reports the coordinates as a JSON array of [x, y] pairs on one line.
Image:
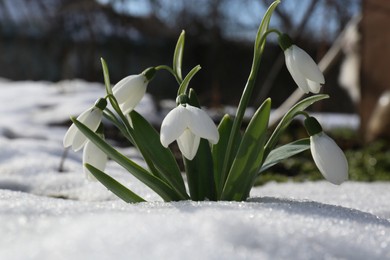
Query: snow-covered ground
[[47, 214]]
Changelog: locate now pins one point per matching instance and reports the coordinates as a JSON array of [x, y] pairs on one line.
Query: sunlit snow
[[47, 214]]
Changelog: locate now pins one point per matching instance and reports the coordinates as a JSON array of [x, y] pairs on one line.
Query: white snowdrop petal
[[133, 99], [79, 141], [83, 116], [329, 158], [314, 86], [307, 66], [188, 144], [69, 135], [132, 102], [297, 76], [130, 88], [95, 157], [72, 136], [91, 118], [173, 125], [202, 125]]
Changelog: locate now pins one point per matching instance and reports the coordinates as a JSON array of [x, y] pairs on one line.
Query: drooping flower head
[[187, 124], [327, 155], [301, 66], [90, 118], [130, 90]]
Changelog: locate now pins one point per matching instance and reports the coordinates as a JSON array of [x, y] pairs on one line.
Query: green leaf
[[284, 152], [199, 170], [249, 156], [184, 85], [178, 55], [219, 151], [288, 117], [106, 75], [114, 186], [148, 141], [153, 182], [247, 93]]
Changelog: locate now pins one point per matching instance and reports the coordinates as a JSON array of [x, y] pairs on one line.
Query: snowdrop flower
[[95, 157], [327, 155], [301, 66], [130, 90], [90, 118], [187, 124]]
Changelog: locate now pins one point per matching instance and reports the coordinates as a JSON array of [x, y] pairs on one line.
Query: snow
[[47, 214]]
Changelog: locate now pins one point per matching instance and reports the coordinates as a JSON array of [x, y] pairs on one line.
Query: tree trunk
[[375, 69]]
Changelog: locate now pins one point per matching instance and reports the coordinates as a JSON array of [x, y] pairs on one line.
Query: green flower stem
[[117, 109], [244, 101], [304, 113], [127, 131], [287, 118], [110, 96], [258, 51], [107, 113], [273, 30], [170, 70]]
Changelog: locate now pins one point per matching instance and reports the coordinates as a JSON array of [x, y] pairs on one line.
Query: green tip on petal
[[285, 41], [312, 126], [101, 103], [149, 73]]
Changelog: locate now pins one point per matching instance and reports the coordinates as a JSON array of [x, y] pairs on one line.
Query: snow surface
[[46, 214]]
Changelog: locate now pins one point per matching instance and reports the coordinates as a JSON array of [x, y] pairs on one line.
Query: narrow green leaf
[[106, 75], [219, 151], [284, 152], [178, 55], [199, 170], [288, 117], [184, 85], [114, 186], [249, 156], [148, 141], [156, 184]]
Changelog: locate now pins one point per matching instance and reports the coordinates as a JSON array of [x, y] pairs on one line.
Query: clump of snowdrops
[[221, 162]]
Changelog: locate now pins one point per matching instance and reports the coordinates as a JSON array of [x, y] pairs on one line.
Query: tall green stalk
[[247, 93]]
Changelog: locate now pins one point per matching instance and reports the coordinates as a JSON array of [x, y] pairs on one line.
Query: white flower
[[129, 91], [95, 157], [187, 124], [303, 69], [329, 158], [90, 118]]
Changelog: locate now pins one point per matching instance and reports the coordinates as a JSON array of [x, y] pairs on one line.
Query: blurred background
[[64, 39], [54, 40]]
